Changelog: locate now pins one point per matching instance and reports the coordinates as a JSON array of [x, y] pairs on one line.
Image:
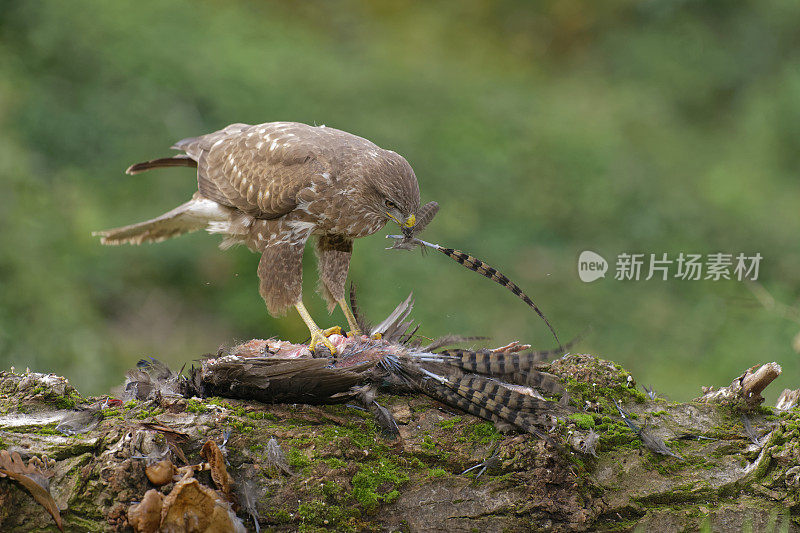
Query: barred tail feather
[[493, 274], [478, 404], [497, 363], [539, 380], [494, 393]]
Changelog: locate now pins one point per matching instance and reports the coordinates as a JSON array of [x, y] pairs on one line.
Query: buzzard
[[271, 187]]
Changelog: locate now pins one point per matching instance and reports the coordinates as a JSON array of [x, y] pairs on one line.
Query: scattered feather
[[748, 429], [276, 459], [249, 492], [492, 462], [651, 393]]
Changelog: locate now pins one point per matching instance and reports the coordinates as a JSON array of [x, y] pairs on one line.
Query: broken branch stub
[[747, 387]]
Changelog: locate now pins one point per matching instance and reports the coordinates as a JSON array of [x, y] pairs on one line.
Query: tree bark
[[346, 475]]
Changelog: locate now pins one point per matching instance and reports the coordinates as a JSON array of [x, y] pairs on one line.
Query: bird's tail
[[176, 161], [194, 215]]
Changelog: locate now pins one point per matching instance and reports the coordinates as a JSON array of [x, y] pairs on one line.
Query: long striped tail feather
[[487, 271], [518, 368]]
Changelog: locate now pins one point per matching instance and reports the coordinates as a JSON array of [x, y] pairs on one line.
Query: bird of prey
[[271, 187]]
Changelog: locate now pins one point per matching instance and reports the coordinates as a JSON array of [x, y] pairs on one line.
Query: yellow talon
[[335, 330], [319, 337]]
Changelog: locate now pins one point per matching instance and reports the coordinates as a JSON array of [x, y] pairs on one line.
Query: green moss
[[47, 429], [113, 412], [427, 443], [480, 432], [240, 426], [83, 523], [437, 472], [219, 402], [616, 434], [331, 489], [375, 481], [334, 463], [278, 516], [63, 402], [583, 420], [576, 460], [262, 415], [318, 513], [67, 401], [449, 423], [297, 459], [148, 413], [582, 392], [195, 406]]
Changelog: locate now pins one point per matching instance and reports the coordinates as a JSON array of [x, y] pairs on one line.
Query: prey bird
[[271, 187], [501, 385]]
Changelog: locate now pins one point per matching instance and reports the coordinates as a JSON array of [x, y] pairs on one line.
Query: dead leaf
[[145, 516], [173, 436], [192, 506], [33, 479], [155, 426], [213, 455], [160, 473]]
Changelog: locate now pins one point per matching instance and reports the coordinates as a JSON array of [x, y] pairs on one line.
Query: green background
[[542, 129]]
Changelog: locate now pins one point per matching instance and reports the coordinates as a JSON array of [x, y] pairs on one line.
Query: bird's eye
[[390, 204]]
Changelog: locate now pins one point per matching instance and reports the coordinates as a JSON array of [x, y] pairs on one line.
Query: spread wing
[[258, 169]]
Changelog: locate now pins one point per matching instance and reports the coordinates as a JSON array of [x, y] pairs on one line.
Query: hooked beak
[[410, 222]]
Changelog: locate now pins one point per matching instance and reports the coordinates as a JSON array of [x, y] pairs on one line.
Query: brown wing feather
[[257, 169], [262, 169]]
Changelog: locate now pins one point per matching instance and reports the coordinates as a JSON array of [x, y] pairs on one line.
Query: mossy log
[[343, 474]]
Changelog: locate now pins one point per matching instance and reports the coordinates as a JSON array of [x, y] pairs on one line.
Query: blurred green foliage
[[542, 129]]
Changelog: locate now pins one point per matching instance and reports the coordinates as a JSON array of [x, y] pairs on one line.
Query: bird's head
[[392, 189]]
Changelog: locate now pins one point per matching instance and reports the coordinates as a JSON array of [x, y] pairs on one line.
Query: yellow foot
[[335, 330], [355, 332], [319, 337]]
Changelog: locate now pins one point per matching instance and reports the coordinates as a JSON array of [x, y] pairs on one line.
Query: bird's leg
[[351, 320], [333, 253], [317, 335]]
